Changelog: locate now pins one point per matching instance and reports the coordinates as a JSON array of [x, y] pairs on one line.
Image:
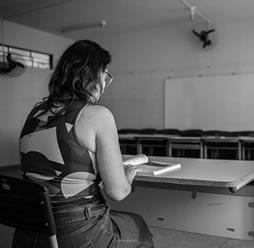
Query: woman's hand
[[130, 172]]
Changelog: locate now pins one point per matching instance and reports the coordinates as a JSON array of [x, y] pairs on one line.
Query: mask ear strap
[[94, 87], [90, 97], [100, 90]]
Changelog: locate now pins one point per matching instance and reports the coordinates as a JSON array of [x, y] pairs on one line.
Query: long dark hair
[[79, 66]]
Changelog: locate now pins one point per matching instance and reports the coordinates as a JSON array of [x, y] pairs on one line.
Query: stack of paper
[[137, 160], [157, 170], [147, 167]]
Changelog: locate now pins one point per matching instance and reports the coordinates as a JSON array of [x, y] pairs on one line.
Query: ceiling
[[85, 16]]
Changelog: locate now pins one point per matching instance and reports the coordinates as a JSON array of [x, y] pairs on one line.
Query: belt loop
[[87, 212]]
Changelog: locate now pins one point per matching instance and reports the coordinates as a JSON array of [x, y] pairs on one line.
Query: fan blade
[[210, 31], [13, 63], [195, 33]]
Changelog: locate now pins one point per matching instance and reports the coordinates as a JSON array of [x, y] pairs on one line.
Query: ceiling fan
[[206, 34], [204, 37], [10, 65], [204, 31]]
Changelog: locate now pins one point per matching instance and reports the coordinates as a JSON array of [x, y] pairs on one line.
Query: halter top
[[52, 155]]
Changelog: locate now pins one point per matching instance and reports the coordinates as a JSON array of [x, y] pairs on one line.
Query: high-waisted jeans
[[91, 226]]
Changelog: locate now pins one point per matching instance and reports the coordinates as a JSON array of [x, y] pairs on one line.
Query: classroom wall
[[19, 94], [142, 61]]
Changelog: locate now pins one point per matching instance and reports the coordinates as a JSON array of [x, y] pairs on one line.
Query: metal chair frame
[[26, 205]]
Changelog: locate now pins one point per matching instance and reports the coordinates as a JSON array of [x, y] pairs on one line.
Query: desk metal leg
[[201, 151], [243, 152], [169, 149], [205, 151], [139, 148], [239, 150]]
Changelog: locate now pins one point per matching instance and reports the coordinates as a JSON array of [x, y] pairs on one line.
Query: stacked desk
[[128, 144], [182, 145], [212, 147], [247, 148], [220, 146], [152, 138]]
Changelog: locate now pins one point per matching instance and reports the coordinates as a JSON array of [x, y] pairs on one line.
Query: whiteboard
[[218, 102]]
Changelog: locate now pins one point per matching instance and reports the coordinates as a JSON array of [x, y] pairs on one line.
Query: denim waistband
[[80, 213]]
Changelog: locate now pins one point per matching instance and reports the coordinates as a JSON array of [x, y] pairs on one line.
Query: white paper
[[147, 167], [157, 170], [137, 160]]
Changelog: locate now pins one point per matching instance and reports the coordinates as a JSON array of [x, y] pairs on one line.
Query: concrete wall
[[19, 94], [143, 60]]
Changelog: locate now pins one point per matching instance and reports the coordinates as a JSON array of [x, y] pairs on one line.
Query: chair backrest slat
[[25, 204]]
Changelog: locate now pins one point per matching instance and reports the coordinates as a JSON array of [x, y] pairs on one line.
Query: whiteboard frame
[[216, 102]]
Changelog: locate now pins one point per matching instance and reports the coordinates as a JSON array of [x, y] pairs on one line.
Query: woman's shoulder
[[98, 108], [97, 112]]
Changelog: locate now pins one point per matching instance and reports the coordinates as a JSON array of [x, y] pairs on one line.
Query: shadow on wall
[[8, 150], [6, 234]]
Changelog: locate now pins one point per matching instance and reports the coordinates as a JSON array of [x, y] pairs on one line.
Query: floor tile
[[165, 238], [233, 243]]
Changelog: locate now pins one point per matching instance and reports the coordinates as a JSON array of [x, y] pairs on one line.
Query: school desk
[[230, 174], [205, 173], [206, 196]]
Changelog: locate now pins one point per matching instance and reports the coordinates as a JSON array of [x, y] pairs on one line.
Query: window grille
[[27, 57]]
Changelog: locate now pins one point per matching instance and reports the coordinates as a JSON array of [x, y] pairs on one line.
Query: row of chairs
[[187, 132], [203, 144]]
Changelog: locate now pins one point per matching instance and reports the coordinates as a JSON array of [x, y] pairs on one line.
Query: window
[[27, 57]]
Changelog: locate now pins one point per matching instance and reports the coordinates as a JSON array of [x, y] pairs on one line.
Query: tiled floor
[[164, 238]]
